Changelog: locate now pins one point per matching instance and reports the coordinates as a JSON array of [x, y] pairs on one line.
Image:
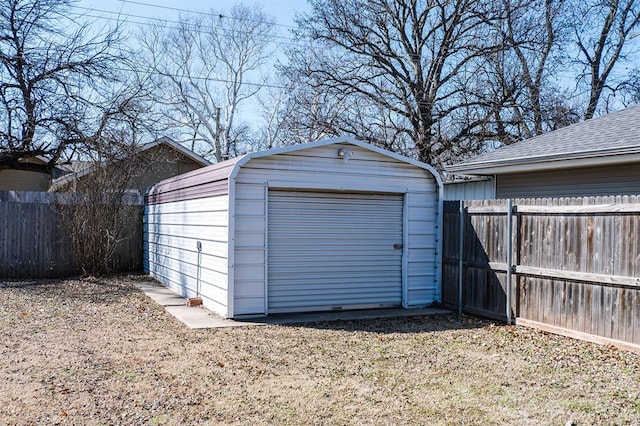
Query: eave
[[550, 162]]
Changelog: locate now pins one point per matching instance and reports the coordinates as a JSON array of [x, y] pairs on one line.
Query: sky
[[283, 11], [136, 12]]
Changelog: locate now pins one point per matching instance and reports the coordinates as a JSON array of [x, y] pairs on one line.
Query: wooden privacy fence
[[565, 265], [34, 244]]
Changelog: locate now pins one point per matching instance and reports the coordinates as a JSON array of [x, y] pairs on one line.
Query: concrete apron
[[199, 317]]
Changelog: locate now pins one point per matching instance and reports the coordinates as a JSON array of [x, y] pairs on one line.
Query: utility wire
[[197, 78], [149, 22], [203, 13]]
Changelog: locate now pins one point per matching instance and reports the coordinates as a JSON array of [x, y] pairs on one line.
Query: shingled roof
[[609, 139]]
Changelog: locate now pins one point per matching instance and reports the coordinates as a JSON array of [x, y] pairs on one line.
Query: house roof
[[609, 139], [178, 147], [82, 168]]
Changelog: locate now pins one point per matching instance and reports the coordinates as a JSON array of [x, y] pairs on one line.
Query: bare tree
[[202, 65], [521, 77], [399, 68], [601, 33], [58, 82]]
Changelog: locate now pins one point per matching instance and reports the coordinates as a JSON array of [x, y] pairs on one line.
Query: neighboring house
[[600, 156], [155, 161], [25, 180]]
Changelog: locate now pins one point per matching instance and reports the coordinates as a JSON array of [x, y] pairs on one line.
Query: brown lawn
[[97, 351]]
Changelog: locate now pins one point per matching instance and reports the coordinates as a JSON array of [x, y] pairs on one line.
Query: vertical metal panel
[[405, 251], [266, 252], [172, 233], [248, 271], [475, 189], [334, 251], [422, 248]]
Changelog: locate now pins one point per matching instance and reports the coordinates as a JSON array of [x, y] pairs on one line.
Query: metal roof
[[191, 185], [609, 139]]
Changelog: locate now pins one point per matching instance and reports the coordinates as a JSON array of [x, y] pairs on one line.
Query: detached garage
[[330, 225]]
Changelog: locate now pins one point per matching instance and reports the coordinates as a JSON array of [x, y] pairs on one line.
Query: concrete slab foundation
[[198, 317]]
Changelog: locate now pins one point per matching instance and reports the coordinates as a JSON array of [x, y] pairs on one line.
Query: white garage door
[[329, 251]]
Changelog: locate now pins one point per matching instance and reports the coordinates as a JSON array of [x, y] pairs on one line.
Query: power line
[[149, 22], [189, 77], [211, 79], [177, 9]]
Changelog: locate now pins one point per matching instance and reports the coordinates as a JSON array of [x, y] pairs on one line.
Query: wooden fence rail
[[34, 244], [571, 266]]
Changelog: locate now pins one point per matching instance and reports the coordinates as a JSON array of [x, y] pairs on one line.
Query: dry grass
[[99, 352]]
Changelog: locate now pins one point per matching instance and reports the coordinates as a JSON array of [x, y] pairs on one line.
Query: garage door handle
[[398, 246]]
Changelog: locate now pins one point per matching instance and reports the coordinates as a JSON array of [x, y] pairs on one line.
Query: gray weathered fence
[[34, 244], [570, 266]]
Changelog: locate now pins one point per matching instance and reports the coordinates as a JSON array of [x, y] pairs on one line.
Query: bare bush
[[105, 212]]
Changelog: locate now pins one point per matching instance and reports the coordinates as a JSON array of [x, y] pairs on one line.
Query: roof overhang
[[179, 148], [551, 162]]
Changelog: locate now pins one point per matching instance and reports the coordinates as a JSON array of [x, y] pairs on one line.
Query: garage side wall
[[172, 233], [322, 169]]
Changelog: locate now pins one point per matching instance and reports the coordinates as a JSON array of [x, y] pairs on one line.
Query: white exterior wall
[[172, 231], [320, 168]]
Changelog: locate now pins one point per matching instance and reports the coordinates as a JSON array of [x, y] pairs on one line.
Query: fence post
[[460, 255], [509, 236]]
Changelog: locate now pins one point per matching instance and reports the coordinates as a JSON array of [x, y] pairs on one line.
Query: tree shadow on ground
[[403, 324]]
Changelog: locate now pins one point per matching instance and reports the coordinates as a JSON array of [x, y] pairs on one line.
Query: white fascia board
[[532, 165]]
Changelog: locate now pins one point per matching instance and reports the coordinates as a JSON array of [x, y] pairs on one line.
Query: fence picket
[[577, 263], [34, 245]]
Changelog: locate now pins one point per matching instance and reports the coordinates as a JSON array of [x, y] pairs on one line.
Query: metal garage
[[330, 225]]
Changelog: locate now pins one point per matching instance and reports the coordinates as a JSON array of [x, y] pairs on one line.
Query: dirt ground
[[98, 351]]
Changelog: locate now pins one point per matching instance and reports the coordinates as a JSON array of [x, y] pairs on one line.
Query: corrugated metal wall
[[320, 168], [621, 179], [172, 233], [470, 190]]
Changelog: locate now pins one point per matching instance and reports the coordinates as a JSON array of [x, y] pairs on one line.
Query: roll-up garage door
[[330, 251]]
